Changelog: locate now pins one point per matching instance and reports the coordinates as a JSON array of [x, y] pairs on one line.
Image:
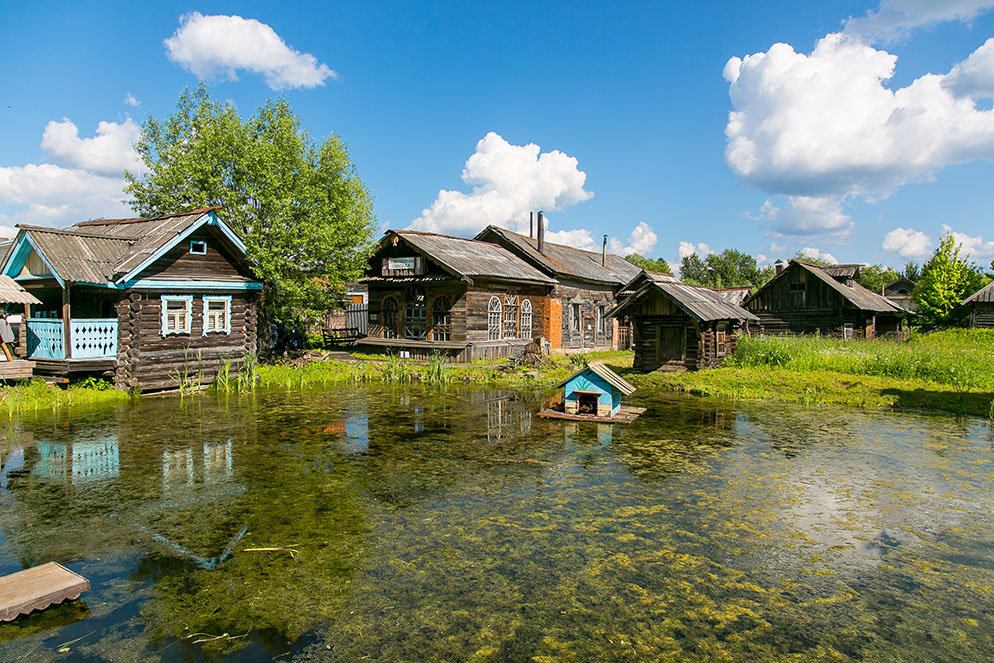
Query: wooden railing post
[[66, 327]]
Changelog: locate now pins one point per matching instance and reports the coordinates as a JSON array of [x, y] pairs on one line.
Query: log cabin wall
[[982, 314], [578, 320], [147, 360], [454, 290]]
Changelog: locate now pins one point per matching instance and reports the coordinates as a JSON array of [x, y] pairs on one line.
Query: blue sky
[[628, 105]]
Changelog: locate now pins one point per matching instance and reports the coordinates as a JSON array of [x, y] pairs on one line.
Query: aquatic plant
[[437, 371]]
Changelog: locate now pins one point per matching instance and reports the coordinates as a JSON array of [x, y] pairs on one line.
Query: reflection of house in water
[[184, 467], [77, 462], [506, 415], [357, 432]]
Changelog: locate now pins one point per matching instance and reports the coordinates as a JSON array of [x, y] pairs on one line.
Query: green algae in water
[[454, 526]]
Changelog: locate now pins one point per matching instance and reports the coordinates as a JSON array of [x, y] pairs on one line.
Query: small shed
[[595, 390], [981, 305]]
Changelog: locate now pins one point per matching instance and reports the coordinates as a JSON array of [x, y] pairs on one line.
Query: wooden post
[[66, 328]]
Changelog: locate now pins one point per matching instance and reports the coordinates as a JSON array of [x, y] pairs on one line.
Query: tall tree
[[693, 269], [305, 216], [912, 271], [650, 264], [875, 277], [729, 269], [946, 279]]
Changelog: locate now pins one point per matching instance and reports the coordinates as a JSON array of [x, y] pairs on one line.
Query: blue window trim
[[227, 314], [189, 313], [199, 243]]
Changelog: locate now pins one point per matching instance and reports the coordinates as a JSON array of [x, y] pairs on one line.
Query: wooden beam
[[66, 327]]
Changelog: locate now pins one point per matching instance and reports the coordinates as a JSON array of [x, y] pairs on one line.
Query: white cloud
[[579, 238], [508, 182], [896, 18], [975, 247], [817, 254], [808, 216], [132, 100], [777, 248], [109, 152], [642, 240], [219, 45], [974, 76], [907, 243], [50, 195], [688, 248]]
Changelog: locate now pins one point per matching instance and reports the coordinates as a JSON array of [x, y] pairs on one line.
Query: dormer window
[[198, 248]]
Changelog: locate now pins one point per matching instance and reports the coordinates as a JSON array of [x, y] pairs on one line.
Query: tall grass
[[437, 371], [962, 359], [35, 396]]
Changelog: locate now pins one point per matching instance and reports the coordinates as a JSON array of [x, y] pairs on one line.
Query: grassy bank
[[36, 396], [951, 371]]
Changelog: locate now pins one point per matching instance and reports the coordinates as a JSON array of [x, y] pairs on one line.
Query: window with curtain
[[441, 319], [390, 309], [526, 319], [494, 311], [415, 310]]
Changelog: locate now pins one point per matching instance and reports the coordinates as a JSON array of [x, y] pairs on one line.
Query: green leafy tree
[[651, 264], [693, 269], [875, 277], [729, 269], [946, 279], [803, 257], [305, 216], [912, 271]]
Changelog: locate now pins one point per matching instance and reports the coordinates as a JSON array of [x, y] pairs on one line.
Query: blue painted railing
[[89, 339]]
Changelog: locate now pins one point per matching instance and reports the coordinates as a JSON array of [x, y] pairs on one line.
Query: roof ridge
[[140, 219], [72, 233]]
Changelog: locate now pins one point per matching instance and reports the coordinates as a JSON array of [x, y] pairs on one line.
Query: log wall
[[982, 315]]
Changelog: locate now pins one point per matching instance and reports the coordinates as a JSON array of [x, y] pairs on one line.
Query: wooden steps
[[37, 588]]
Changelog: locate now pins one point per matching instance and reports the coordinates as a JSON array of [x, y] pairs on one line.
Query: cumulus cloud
[[51, 195], [508, 181], [688, 248], [907, 243], [974, 76], [109, 152], [642, 240], [219, 45], [896, 18], [132, 100], [817, 254], [579, 238], [975, 247], [819, 217]]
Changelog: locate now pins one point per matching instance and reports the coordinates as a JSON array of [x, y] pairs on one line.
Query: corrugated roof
[[984, 296], [856, 294], [473, 258], [561, 260], [840, 271], [12, 293], [702, 304], [612, 378], [734, 295]]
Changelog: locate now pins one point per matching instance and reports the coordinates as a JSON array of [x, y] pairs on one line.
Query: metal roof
[[561, 260], [12, 293], [855, 294], [734, 295], [840, 271], [702, 304], [609, 376], [472, 258], [985, 295]]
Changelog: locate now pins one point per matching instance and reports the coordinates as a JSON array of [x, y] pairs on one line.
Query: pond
[[388, 524]]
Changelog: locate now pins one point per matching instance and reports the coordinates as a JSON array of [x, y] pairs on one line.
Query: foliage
[[804, 257], [946, 279], [729, 269], [304, 214], [912, 271], [649, 264], [875, 277]]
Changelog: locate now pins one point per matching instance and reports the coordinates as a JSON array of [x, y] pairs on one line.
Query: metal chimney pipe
[[541, 233], [604, 252], [531, 224]]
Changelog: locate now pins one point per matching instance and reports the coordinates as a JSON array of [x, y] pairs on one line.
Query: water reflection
[[401, 524]]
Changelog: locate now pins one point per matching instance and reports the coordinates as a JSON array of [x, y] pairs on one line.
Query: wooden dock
[[626, 415], [37, 588]]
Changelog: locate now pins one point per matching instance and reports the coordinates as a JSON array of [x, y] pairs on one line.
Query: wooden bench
[[340, 335]]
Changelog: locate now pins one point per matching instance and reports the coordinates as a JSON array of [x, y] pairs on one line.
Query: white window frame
[[227, 314], [188, 299], [495, 319], [525, 327]]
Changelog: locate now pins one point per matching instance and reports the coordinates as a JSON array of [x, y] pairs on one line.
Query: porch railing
[[94, 338]]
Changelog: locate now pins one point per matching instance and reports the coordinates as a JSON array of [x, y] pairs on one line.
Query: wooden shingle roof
[[701, 303], [609, 376]]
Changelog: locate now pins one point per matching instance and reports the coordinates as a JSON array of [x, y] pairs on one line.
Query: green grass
[[950, 371], [36, 396]]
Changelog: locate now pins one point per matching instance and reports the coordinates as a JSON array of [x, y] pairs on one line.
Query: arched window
[[493, 318], [389, 309], [414, 313], [510, 315], [526, 319], [441, 319]]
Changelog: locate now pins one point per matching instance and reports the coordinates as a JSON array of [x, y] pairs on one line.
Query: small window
[[848, 331], [494, 313], [526, 319], [217, 315], [198, 248], [575, 314], [176, 314], [721, 340]]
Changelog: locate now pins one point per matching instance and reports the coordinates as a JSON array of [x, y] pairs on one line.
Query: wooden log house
[[804, 298], [584, 292], [981, 305], [678, 326], [149, 301], [465, 298], [899, 291]]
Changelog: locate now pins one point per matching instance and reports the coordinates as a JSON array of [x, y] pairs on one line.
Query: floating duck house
[[594, 393]]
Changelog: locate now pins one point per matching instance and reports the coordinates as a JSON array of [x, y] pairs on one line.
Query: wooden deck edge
[[625, 416]]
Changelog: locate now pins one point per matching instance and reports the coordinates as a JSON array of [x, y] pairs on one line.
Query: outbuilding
[[981, 305]]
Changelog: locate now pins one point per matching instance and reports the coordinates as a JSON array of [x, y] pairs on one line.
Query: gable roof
[[12, 293], [700, 303], [609, 376], [985, 295], [734, 295], [470, 258], [110, 251], [897, 283], [855, 294], [560, 260]]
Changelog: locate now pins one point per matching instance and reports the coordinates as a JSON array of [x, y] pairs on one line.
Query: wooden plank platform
[[626, 415], [37, 588], [16, 369]]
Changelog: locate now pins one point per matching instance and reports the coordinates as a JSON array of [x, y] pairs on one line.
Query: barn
[[151, 302]]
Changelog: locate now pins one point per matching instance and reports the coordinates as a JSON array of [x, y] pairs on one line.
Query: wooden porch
[[86, 345]]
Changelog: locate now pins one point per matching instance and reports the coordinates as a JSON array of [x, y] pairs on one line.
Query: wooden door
[[669, 344]]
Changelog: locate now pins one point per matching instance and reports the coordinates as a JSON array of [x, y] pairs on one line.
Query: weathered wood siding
[[589, 298], [149, 361], [218, 264], [982, 314]]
